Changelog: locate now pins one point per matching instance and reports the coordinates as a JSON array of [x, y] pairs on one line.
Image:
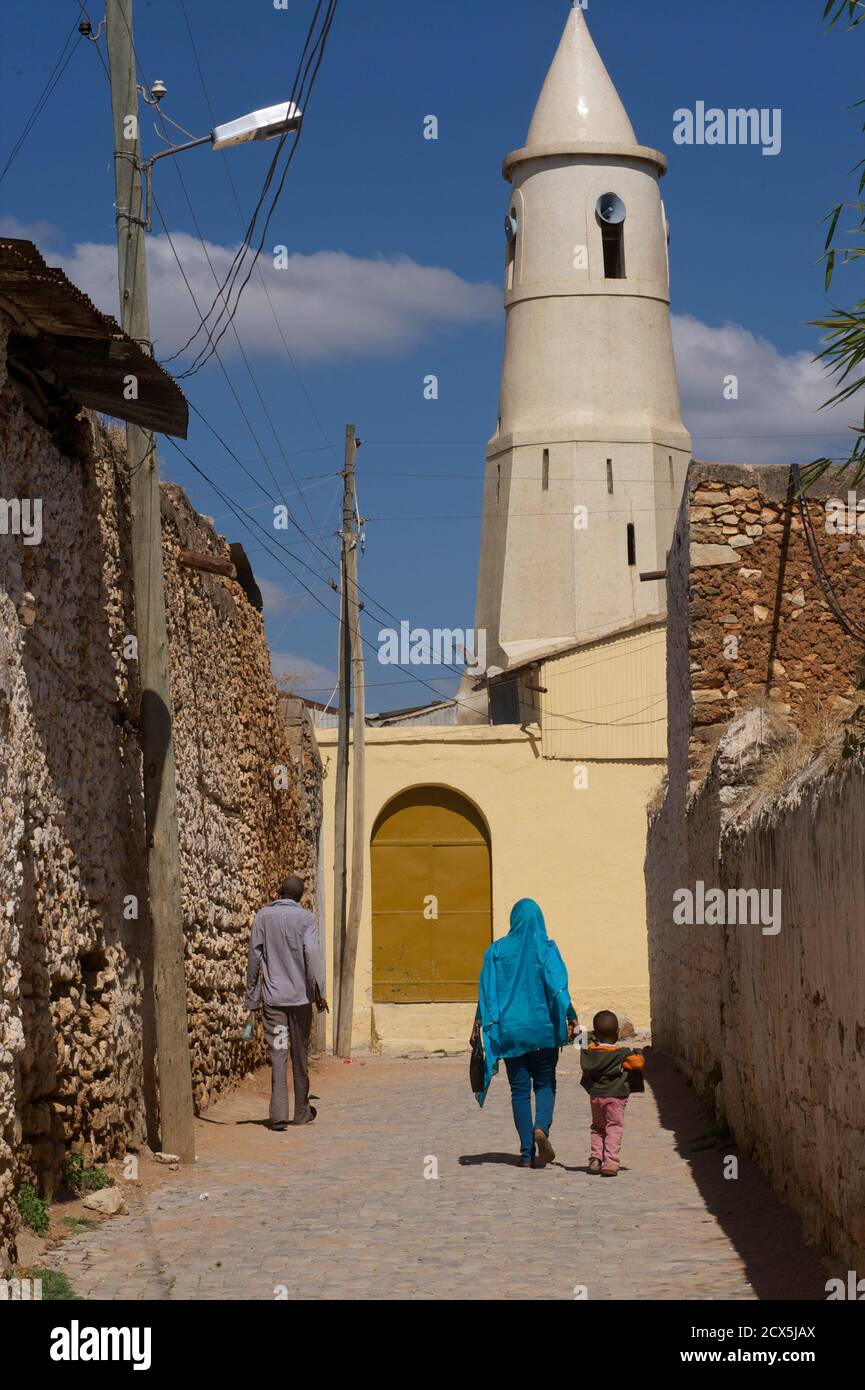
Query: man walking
[[283, 950]]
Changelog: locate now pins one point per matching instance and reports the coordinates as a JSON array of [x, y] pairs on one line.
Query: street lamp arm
[[176, 149], [258, 125], [147, 171]]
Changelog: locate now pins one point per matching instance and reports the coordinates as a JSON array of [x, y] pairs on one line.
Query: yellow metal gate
[[431, 898]]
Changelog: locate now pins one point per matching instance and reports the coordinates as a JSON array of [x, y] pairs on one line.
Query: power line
[[42, 100], [508, 511], [433, 474], [240, 255], [95, 41], [836, 607], [242, 352], [255, 480], [232, 185], [226, 167], [250, 521], [482, 443], [299, 95]]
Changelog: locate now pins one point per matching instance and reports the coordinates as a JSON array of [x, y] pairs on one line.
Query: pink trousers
[[608, 1122]]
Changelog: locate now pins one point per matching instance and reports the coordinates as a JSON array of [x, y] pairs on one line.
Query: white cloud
[[276, 598], [329, 304], [305, 676], [777, 417], [38, 232]]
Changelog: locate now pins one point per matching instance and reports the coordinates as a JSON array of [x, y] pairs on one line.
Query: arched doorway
[[431, 898]]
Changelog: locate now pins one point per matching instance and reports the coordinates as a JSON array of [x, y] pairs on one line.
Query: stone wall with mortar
[[76, 1033], [771, 1028]]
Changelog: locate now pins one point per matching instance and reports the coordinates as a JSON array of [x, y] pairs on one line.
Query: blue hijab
[[523, 995]]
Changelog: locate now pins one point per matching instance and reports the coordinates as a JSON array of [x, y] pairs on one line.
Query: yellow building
[[463, 820]]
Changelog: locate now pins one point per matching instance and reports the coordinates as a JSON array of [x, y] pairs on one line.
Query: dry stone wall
[[76, 1034], [771, 1028], [752, 580]]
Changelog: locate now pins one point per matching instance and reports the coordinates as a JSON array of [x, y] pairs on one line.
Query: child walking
[[606, 1077]]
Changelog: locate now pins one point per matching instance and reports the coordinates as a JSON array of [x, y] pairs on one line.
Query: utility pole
[[340, 828], [358, 832], [157, 743]]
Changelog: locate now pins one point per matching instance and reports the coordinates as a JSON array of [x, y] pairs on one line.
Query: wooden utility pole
[[358, 831], [157, 743], [340, 820]]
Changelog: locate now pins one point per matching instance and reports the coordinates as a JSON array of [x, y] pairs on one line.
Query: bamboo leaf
[[833, 224]]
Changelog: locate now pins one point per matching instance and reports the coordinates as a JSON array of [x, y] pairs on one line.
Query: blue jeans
[[536, 1069]]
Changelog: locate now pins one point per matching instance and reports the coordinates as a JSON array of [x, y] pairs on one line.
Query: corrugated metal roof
[[607, 700], [546, 652], [441, 713], [63, 330]]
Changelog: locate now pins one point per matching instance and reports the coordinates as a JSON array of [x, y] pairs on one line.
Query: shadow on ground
[[469, 1160], [767, 1236]]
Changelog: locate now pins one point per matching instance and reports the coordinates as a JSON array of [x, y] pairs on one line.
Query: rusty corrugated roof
[[87, 349]]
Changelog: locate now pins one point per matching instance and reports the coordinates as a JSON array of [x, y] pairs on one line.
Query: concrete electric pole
[[163, 854], [346, 925], [358, 791]]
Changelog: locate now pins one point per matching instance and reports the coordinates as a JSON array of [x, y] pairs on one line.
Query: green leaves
[[33, 1209], [835, 214], [82, 1179], [843, 350], [835, 10], [830, 270]]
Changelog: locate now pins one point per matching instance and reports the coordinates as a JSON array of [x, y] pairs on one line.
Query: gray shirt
[[284, 948]]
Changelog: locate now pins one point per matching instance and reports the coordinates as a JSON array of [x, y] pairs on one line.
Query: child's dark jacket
[[606, 1067]]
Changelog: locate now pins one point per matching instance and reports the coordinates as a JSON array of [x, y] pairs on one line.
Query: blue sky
[[396, 251]]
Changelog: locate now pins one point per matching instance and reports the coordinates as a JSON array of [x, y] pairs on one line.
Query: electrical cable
[[249, 521], [244, 246], [300, 97], [42, 100], [242, 350], [834, 603]]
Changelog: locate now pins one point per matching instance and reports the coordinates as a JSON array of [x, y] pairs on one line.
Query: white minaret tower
[[589, 412]]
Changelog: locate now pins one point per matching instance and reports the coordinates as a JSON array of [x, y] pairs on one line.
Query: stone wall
[[76, 1033], [771, 1028], [752, 580]]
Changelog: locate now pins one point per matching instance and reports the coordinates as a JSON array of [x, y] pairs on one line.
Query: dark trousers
[[288, 1029], [538, 1070]]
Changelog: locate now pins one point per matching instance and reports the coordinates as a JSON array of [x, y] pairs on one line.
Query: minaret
[[589, 413]]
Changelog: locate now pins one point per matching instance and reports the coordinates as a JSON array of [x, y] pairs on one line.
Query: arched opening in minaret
[[613, 238], [511, 227]]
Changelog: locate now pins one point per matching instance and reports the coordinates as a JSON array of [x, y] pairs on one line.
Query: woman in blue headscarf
[[526, 1015]]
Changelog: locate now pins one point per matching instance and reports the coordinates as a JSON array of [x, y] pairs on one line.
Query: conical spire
[[578, 102]]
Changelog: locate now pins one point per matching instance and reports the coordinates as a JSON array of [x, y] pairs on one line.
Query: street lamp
[[265, 124], [259, 125]]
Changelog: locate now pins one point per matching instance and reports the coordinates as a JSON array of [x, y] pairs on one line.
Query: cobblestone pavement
[[342, 1209]]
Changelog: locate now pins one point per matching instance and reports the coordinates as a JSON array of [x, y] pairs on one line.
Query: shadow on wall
[[769, 1239]]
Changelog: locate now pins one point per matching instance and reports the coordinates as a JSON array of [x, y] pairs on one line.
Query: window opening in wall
[[672, 477], [613, 238], [498, 482], [632, 544], [505, 702], [511, 234], [545, 471], [609, 475]]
